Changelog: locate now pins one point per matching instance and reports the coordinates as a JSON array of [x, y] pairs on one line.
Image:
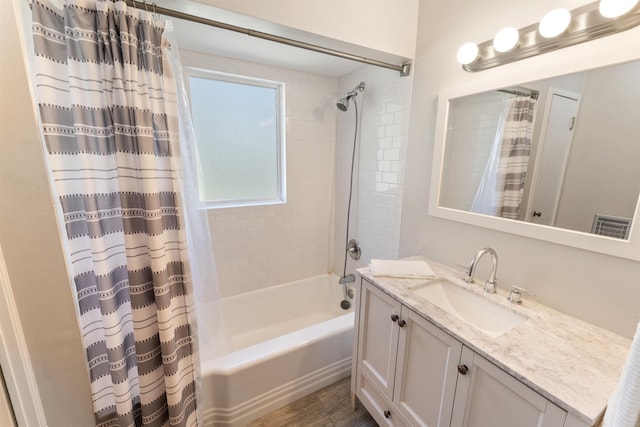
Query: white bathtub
[[279, 344]]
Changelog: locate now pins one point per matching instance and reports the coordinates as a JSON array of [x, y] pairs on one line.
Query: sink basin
[[477, 311]]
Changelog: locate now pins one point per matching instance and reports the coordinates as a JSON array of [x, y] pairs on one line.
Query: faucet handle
[[515, 294], [490, 286], [468, 278]]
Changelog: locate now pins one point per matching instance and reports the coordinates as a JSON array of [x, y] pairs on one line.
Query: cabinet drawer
[[378, 405]]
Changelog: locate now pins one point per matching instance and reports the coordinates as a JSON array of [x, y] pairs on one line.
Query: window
[[238, 123]]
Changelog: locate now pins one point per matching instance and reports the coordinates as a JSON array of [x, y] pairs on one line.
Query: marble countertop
[[572, 363]]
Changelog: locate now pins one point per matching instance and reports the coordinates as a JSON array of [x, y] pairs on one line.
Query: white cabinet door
[[488, 396], [378, 337], [426, 372], [407, 367]]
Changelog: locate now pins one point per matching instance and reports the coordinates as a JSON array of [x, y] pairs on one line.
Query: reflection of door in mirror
[[559, 122]]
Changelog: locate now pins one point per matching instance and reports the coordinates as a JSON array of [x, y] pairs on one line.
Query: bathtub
[[275, 346]]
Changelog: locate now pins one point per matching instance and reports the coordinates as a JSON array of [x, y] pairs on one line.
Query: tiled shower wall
[[260, 246], [379, 178]]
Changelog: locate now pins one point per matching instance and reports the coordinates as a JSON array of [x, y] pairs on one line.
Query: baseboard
[[278, 397]]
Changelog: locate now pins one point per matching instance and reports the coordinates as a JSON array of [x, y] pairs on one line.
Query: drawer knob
[[463, 369], [387, 414], [394, 317], [401, 323]]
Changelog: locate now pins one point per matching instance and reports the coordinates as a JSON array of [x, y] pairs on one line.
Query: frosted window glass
[[238, 137]]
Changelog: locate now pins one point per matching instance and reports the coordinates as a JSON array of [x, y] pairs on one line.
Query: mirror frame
[[621, 53]]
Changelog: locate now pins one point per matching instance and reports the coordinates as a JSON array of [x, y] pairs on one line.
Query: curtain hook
[[145, 5], [155, 14]]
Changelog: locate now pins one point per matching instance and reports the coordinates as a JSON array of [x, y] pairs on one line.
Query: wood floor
[[328, 407]]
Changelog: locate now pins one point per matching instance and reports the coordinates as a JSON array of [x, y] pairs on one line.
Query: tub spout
[[348, 293], [349, 278]]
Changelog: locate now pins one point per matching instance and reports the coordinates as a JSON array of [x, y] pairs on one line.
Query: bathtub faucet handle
[[353, 249]]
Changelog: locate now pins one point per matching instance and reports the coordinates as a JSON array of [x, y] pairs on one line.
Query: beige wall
[[31, 246], [600, 289], [6, 413]]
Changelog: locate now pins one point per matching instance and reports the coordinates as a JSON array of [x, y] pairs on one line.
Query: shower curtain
[[500, 190], [107, 104], [514, 155]]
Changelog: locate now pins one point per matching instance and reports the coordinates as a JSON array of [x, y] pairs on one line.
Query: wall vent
[[611, 226]]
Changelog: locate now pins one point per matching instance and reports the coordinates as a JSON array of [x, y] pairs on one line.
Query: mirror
[[556, 159]]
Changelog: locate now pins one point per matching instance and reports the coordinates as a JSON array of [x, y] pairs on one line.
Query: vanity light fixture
[[506, 39], [558, 29], [616, 8], [554, 23], [468, 53]]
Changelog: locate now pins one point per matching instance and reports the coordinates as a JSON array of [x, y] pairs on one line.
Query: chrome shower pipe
[[354, 92], [352, 247]]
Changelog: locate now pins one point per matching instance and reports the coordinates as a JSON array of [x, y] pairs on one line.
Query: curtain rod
[[533, 94], [403, 69]]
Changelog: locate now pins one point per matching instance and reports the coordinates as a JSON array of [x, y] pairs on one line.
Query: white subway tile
[[253, 246]]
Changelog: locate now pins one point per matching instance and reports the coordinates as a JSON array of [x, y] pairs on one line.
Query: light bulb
[[468, 53], [554, 23], [506, 39], [615, 8]]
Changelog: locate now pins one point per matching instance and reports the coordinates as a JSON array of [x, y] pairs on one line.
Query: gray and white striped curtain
[[107, 105], [514, 156]]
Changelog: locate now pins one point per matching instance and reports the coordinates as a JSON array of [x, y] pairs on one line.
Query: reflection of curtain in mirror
[[483, 202], [502, 184], [514, 155]]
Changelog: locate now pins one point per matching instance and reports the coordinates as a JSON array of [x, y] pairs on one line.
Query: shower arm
[[354, 92]]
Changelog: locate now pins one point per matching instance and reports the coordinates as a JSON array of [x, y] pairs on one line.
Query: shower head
[[343, 103]]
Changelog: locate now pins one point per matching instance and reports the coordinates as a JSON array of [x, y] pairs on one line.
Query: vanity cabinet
[[406, 367], [409, 372]]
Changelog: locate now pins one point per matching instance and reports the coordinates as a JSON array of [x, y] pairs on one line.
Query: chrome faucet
[[490, 284]]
